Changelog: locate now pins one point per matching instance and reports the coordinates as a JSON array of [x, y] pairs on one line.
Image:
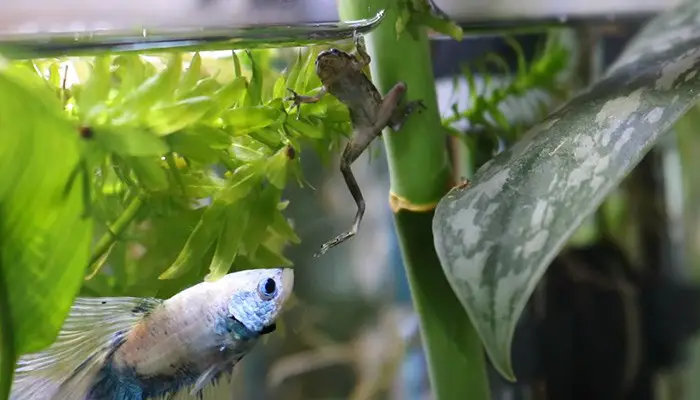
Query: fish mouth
[[268, 329]]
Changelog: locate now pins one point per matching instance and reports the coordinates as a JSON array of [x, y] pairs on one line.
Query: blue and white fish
[[126, 348]]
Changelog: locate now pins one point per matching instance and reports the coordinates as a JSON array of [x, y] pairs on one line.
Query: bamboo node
[[398, 203]]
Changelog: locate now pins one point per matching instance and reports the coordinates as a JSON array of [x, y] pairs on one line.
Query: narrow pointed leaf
[[496, 237], [230, 238], [202, 238]]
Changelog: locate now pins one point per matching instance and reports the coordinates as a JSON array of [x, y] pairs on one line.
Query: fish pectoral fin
[[208, 376]]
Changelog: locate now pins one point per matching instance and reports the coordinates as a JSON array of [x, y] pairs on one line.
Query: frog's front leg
[[298, 99], [361, 139], [361, 55]]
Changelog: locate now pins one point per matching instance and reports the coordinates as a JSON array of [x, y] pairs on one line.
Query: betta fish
[[185, 347]]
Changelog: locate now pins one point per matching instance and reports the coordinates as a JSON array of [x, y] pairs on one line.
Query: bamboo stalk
[[420, 175]]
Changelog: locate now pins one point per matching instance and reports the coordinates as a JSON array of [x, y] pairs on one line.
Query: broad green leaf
[[44, 241], [496, 237], [244, 120], [235, 224], [199, 242]]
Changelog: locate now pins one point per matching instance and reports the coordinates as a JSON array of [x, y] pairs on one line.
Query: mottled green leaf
[[496, 237], [44, 240]]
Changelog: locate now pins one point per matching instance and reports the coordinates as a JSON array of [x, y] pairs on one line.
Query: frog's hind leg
[[361, 139]]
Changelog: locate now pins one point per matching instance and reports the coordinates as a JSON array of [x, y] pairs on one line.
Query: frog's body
[[341, 75]]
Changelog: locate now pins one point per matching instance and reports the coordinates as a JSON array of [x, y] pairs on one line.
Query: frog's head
[[331, 63]]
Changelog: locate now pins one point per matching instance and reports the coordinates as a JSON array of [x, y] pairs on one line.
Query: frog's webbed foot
[[402, 113], [361, 50], [336, 241], [298, 99]]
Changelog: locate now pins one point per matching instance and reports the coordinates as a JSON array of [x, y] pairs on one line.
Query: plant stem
[[116, 229], [420, 176]]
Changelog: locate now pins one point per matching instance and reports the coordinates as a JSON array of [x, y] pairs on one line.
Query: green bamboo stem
[[420, 176], [7, 345]]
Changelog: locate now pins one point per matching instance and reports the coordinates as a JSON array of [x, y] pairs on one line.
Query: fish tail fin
[[70, 367]]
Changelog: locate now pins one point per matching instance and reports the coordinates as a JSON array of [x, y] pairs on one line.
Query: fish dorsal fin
[[95, 327]]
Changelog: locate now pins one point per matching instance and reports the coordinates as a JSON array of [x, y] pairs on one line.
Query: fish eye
[[267, 289]]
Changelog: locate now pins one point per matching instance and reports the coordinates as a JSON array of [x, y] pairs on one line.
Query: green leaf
[[149, 173], [280, 225], [255, 87], [261, 216], [199, 242], [204, 87], [496, 238], [442, 25], [276, 170], [44, 241], [308, 130], [229, 95], [175, 116], [244, 120], [158, 88], [235, 224], [128, 141], [293, 75], [96, 89], [268, 258], [191, 77], [195, 146], [279, 90]]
